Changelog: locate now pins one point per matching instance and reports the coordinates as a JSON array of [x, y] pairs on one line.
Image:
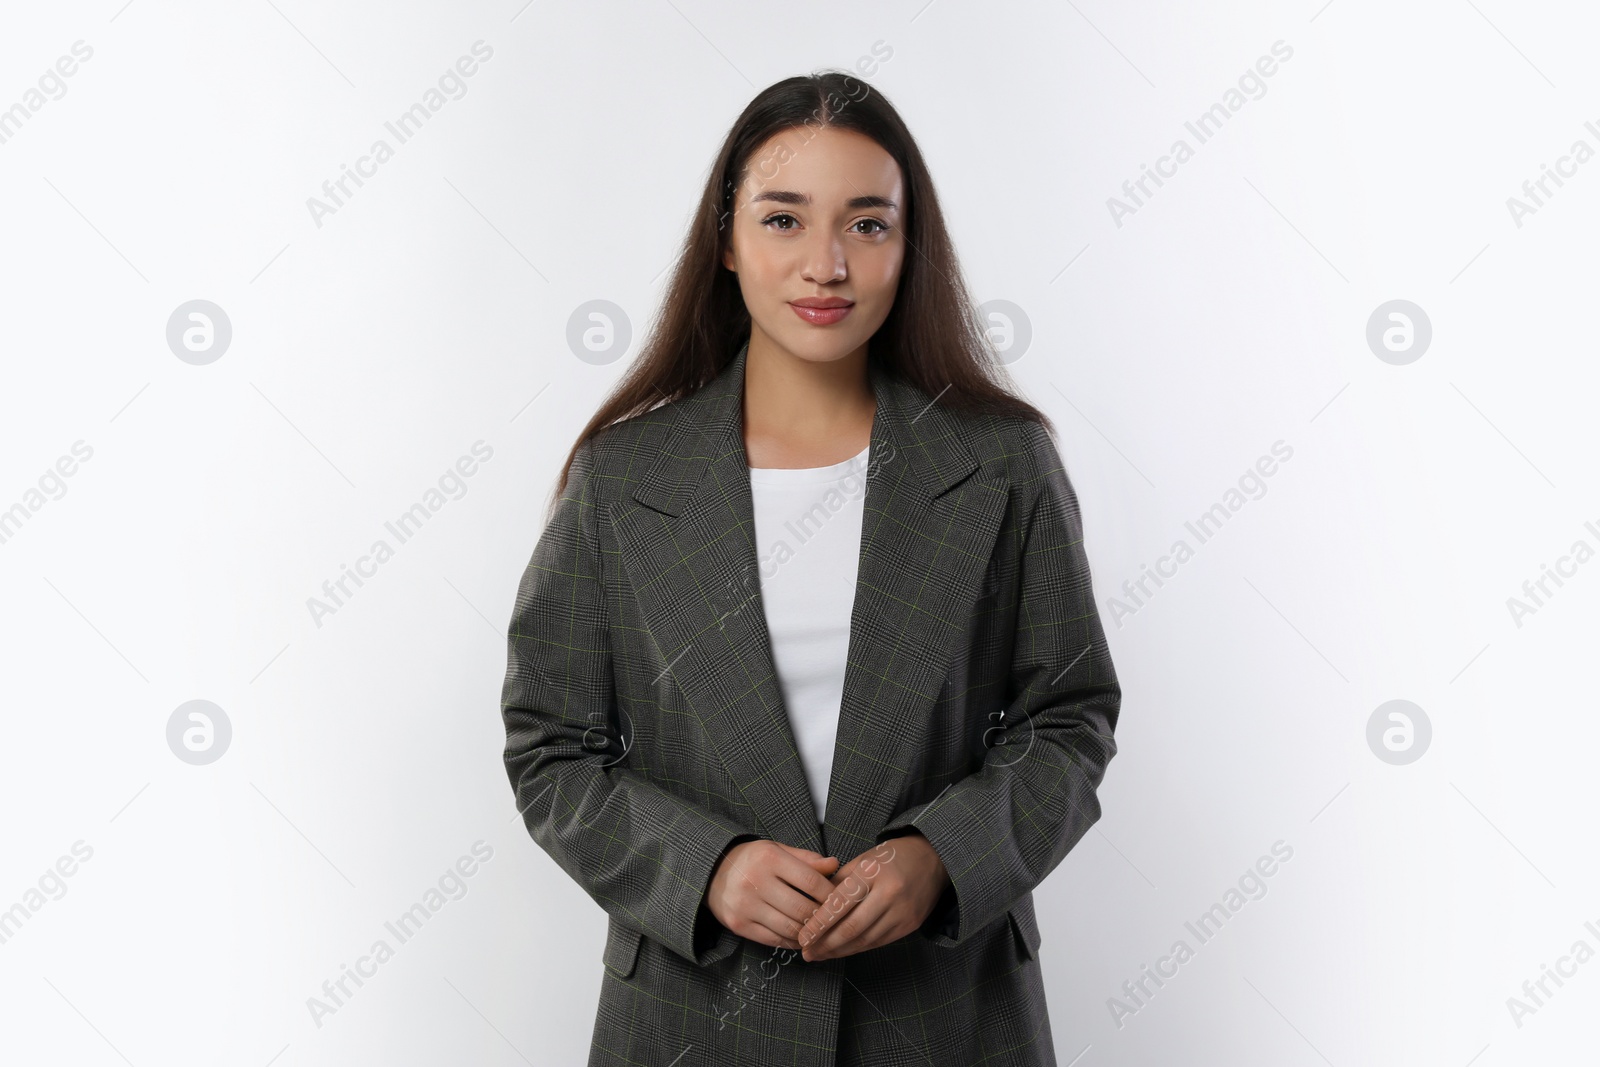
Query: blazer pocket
[[726, 944], [622, 949], [1025, 932]]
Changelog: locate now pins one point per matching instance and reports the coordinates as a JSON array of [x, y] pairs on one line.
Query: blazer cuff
[[710, 940], [944, 921]]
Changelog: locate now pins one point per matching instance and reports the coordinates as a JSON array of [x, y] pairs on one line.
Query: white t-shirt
[[808, 545]]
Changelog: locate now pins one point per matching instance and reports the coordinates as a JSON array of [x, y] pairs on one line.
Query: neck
[[798, 406]]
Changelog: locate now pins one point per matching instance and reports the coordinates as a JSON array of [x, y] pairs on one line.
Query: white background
[[430, 311]]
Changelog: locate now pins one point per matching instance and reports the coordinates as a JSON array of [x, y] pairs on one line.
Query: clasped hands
[[801, 900]]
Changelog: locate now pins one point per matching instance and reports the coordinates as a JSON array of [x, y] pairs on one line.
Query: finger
[[879, 932], [803, 852], [843, 936], [803, 876], [763, 934], [792, 903], [752, 870], [877, 921], [772, 876], [824, 864], [827, 867], [780, 924], [844, 898]]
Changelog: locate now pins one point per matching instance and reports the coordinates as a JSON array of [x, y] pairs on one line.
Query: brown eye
[[774, 218]]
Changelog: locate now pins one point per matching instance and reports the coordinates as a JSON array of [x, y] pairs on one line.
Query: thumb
[[803, 853], [816, 859]]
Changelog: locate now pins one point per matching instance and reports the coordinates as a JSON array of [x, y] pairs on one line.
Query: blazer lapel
[[690, 555], [928, 529]]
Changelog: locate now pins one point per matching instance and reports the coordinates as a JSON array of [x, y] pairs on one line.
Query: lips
[[822, 311]]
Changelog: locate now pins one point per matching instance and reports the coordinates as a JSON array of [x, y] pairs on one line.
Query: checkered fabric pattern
[[646, 731]]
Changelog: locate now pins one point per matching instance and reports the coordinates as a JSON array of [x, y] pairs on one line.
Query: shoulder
[[1016, 449], [623, 452]]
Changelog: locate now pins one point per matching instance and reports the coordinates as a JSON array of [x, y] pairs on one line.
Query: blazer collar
[[928, 529], [710, 427]]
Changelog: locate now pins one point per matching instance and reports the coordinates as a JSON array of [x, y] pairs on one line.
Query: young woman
[[806, 686]]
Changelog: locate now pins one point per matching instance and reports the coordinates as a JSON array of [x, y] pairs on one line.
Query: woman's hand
[[766, 890], [880, 896]]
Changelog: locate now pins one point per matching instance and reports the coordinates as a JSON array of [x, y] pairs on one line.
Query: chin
[[818, 344], [826, 350]]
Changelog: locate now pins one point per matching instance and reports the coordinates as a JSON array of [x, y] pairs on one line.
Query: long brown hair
[[932, 338]]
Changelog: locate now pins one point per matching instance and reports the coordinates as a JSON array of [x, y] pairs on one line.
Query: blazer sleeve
[[1001, 829], [644, 855]]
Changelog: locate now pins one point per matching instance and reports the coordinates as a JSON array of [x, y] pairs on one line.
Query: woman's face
[[817, 216]]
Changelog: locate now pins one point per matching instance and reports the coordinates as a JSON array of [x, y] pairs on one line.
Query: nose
[[824, 260]]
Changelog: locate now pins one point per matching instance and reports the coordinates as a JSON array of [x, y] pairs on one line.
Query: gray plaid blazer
[[646, 731]]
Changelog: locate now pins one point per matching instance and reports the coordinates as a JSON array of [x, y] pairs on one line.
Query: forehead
[[829, 165]]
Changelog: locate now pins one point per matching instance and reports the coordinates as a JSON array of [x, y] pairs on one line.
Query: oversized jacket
[[646, 731]]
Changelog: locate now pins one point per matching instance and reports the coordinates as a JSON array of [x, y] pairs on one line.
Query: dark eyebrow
[[785, 196]]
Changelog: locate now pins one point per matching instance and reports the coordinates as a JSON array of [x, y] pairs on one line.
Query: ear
[[728, 259]]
